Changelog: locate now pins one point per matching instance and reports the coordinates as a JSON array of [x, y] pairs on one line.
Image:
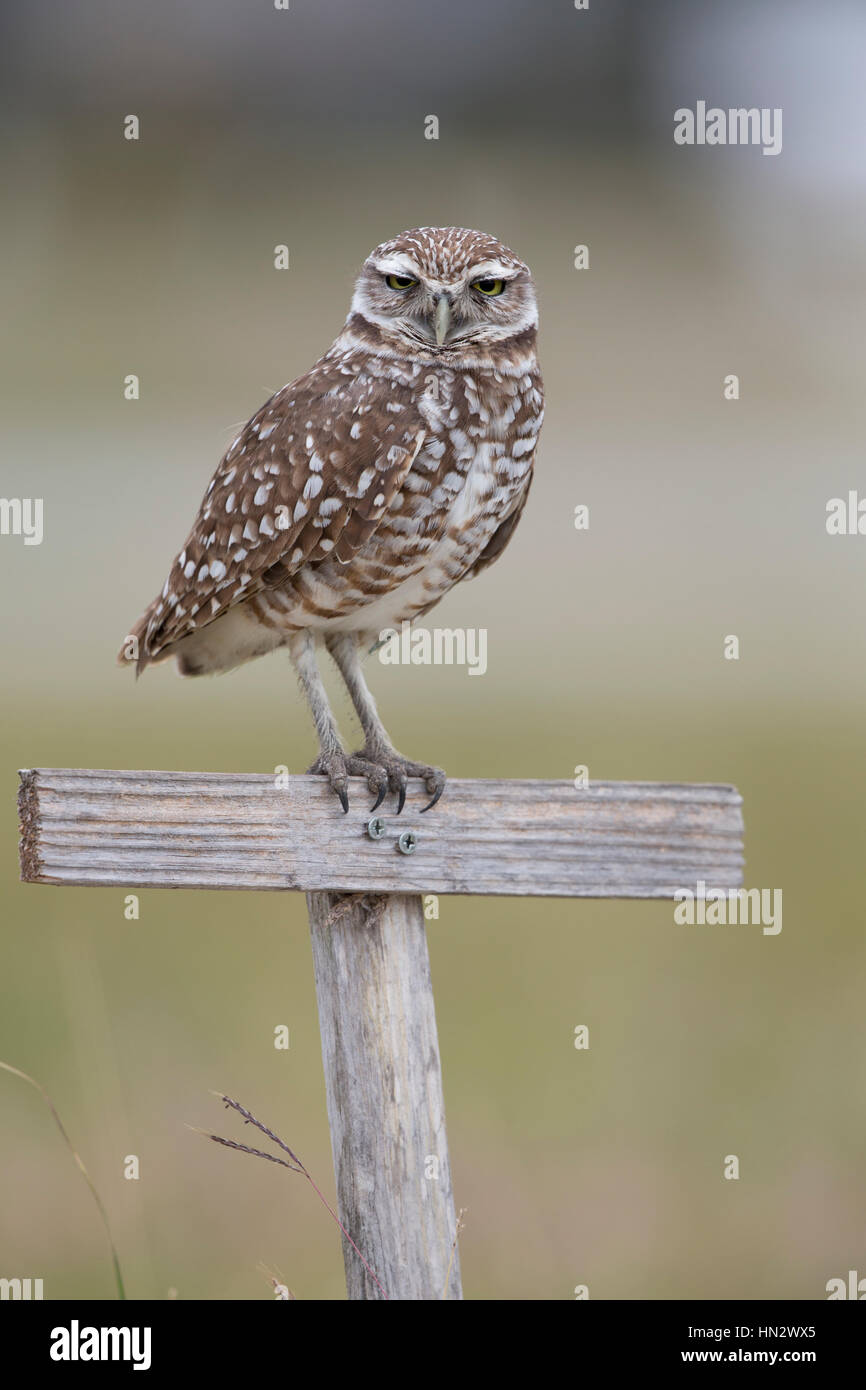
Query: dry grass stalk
[[296, 1166], [121, 1292]]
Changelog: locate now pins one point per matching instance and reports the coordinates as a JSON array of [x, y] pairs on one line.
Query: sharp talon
[[344, 798], [401, 799], [380, 798], [439, 792]]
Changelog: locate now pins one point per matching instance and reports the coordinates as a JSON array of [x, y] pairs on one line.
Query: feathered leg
[[385, 767], [331, 761]]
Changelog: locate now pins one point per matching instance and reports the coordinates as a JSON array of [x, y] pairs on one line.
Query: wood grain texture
[[384, 1088], [229, 830]]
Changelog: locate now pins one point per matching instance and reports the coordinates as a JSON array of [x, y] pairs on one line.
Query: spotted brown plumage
[[358, 495]]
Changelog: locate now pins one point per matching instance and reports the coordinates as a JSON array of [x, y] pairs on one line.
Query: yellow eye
[[400, 282], [489, 287]]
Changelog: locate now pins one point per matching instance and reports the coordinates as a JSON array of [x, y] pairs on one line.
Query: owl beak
[[442, 318]]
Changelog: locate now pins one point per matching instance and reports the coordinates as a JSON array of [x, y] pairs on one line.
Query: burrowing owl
[[362, 492]]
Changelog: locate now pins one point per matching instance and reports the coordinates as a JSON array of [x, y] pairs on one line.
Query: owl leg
[[332, 761], [388, 768]]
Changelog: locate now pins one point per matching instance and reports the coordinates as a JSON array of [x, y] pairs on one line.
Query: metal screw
[[408, 842], [376, 828]]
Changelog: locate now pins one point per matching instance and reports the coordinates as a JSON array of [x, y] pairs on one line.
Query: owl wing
[[501, 536], [309, 476]]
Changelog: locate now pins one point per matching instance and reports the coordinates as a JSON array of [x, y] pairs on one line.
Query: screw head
[[376, 828], [408, 842]]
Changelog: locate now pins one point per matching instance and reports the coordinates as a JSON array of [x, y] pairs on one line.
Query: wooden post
[[385, 1104], [376, 1013]]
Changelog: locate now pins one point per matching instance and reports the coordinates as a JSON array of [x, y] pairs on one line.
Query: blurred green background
[[605, 647]]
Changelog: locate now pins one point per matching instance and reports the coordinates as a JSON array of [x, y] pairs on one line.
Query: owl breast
[[470, 476]]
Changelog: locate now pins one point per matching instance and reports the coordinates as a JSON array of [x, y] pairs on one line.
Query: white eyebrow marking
[[397, 265], [492, 270]]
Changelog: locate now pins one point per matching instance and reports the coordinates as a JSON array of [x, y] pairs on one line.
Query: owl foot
[[338, 767], [388, 770], [383, 771]]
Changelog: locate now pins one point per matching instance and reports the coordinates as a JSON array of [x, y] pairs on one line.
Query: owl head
[[444, 289]]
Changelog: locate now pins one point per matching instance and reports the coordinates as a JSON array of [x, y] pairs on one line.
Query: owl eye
[[489, 287], [400, 282]]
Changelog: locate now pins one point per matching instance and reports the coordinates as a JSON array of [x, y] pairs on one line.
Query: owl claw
[[380, 798], [333, 766], [430, 804], [401, 796]]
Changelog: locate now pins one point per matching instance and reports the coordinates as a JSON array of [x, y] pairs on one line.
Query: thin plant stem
[[296, 1166], [15, 1071]]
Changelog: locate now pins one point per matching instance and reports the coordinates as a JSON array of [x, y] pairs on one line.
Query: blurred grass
[[601, 1167]]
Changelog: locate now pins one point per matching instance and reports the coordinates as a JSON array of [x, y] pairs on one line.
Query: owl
[[360, 493]]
